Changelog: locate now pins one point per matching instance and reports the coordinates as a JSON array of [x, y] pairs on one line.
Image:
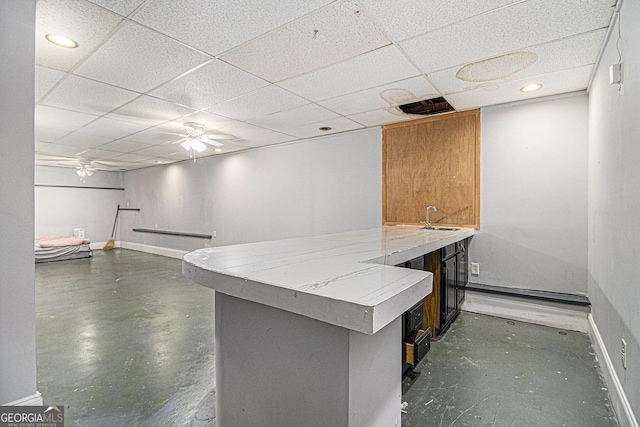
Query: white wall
[[61, 209], [533, 196], [317, 186], [614, 202], [17, 290]]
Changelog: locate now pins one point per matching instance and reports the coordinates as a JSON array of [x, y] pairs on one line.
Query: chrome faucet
[[427, 222]]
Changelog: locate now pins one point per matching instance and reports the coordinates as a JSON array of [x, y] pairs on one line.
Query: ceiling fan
[[194, 139]]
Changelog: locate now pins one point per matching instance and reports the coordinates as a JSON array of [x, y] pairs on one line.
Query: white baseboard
[[33, 400], [557, 315], [624, 412], [171, 253]]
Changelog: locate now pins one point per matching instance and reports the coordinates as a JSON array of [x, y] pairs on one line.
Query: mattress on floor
[[62, 253]]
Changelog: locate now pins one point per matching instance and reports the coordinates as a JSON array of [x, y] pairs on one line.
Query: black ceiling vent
[[427, 107]]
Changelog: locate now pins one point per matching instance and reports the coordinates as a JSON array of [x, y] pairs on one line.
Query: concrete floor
[[488, 371], [123, 339]]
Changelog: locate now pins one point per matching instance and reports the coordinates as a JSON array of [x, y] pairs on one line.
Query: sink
[[428, 227]]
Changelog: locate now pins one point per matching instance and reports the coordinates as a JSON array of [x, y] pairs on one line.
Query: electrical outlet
[[215, 234], [475, 268], [624, 354]]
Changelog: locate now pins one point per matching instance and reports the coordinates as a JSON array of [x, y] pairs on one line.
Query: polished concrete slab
[[488, 371], [123, 339]]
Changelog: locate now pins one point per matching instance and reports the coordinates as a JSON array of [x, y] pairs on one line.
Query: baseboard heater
[[172, 233], [558, 297]]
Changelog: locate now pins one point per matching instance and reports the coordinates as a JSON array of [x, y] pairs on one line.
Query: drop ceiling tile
[[245, 131], [46, 78], [124, 146], [62, 150], [309, 113], [150, 111], [398, 93], [330, 35], [88, 96], [98, 154], [504, 30], [129, 158], [269, 138], [215, 27], [564, 81], [369, 70], [112, 128], [139, 59], [571, 52], [209, 85], [267, 100], [153, 136], [413, 17], [49, 135], [383, 116], [122, 7], [212, 122], [159, 150], [83, 140], [337, 125], [81, 21], [56, 118]]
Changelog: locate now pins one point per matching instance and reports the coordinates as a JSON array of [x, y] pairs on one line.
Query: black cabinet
[[453, 281]]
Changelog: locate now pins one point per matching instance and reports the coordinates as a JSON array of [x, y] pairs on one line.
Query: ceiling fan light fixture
[[62, 41], [186, 144], [197, 145]]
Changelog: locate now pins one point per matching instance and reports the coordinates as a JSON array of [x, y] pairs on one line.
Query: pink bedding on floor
[[59, 241]]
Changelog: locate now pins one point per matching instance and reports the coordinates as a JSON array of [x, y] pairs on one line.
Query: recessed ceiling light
[[325, 128], [159, 162], [61, 41], [531, 87], [218, 150]]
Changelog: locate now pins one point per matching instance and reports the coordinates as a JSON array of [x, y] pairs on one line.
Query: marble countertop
[[346, 279]]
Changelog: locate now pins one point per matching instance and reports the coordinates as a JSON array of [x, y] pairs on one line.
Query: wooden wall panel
[[432, 161]]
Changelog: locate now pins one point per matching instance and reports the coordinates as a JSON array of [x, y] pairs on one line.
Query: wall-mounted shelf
[[172, 233]]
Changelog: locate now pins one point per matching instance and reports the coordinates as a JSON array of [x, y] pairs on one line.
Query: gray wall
[[533, 188], [17, 304], [614, 202], [59, 209], [317, 186]]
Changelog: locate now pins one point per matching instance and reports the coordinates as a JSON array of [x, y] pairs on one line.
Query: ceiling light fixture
[[218, 150], [531, 88], [84, 170], [61, 41]]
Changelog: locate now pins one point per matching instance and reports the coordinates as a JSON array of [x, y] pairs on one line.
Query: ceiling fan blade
[[211, 142], [180, 140]]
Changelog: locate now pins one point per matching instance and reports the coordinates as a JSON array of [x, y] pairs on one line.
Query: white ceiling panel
[[567, 53], [267, 100], [209, 85], [553, 84], [381, 117], [123, 146], [369, 70], [99, 154], [337, 125], [330, 35], [410, 18], [112, 128], [139, 59], [397, 93], [150, 111], [130, 158], [309, 113], [49, 135], [507, 29], [217, 26], [84, 22], [56, 118], [79, 94], [145, 67], [46, 78], [62, 150], [122, 7], [83, 140]]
